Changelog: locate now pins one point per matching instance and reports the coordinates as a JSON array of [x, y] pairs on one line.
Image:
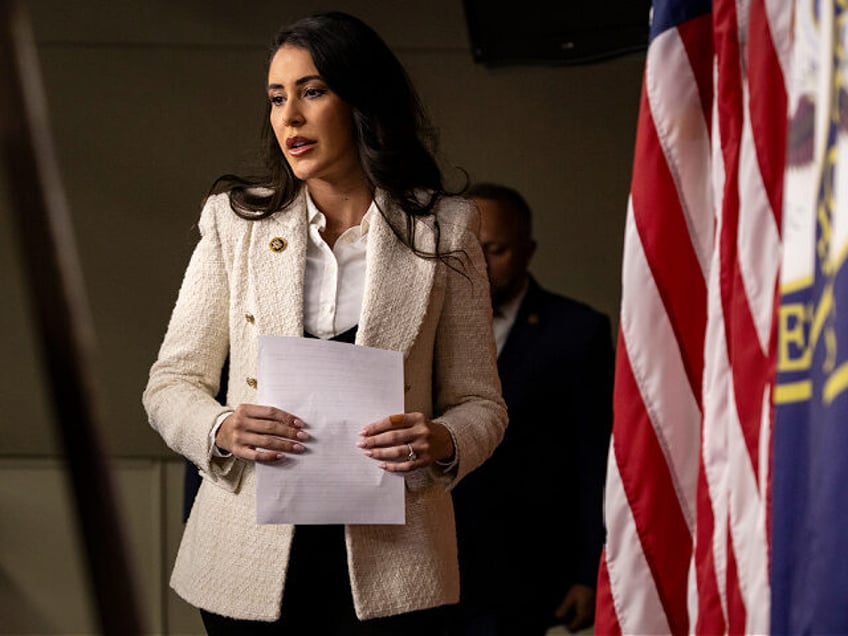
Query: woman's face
[[312, 124]]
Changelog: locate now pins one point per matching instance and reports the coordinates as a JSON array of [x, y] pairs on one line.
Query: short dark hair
[[507, 195]]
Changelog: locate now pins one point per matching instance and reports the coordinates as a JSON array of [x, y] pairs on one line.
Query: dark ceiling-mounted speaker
[[552, 32]]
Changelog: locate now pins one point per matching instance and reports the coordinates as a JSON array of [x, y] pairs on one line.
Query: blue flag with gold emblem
[[809, 569]]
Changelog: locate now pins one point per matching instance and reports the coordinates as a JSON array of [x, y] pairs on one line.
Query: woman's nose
[[291, 114]]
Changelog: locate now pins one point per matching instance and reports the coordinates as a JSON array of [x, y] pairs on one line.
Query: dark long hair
[[395, 139]]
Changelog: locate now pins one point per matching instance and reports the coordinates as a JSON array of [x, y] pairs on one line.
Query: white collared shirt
[[335, 278], [504, 317]]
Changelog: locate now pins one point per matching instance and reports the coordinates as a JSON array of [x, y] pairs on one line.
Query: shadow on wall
[[19, 614]]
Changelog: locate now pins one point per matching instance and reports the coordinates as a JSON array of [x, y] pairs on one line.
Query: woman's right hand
[[261, 433]]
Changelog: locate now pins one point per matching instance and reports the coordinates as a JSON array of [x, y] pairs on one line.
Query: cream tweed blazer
[[236, 288]]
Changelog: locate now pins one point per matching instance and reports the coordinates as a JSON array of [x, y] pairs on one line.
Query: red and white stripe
[[687, 487]]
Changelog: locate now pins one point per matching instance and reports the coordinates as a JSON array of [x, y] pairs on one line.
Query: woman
[[349, 236]]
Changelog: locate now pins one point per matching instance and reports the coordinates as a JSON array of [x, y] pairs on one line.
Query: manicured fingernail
[[280, 456], [302, 435], [297, 423], [368, 453], [298, 448]]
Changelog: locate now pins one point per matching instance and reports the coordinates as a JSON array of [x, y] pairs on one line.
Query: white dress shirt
[[335, 277]]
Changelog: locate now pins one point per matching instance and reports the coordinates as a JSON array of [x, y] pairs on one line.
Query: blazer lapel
[[277, 262], [397, 283]]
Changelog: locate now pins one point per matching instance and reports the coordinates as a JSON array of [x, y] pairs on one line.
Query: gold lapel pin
[[277, 244]]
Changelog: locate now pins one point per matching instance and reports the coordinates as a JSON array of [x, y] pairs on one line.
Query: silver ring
[[412, 456]]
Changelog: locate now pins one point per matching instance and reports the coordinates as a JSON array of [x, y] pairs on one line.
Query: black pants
[[318, 601], [493, 622]]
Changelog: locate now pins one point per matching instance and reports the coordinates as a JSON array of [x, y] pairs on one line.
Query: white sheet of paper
[[336, 389]]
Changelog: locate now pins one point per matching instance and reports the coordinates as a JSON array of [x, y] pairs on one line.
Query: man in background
[[530, 519]]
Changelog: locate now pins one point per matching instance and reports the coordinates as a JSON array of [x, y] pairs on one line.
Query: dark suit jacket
[[530, 520]]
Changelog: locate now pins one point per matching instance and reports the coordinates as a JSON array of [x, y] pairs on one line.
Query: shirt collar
[[317, 218]]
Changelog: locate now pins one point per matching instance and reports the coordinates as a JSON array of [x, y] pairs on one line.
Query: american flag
[[688, 480]]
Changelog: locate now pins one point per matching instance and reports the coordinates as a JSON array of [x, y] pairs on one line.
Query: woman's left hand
[[406, 441]]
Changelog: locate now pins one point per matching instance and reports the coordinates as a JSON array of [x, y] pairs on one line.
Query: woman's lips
[[299, 145]]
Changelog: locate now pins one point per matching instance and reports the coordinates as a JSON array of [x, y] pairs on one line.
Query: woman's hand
[[252, 427], [406, 441]]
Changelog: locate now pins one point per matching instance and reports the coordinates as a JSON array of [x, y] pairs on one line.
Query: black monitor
[[553, 32]]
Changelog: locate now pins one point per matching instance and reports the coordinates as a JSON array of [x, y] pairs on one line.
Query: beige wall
[[150, 100]]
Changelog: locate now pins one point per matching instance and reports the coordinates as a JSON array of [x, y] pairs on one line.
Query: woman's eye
[[277, 100], [312, 92]]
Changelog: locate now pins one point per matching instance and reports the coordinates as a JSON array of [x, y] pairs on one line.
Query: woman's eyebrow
[[298, 82]]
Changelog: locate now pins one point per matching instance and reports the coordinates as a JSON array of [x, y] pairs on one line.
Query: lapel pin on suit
[[278, 244]]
